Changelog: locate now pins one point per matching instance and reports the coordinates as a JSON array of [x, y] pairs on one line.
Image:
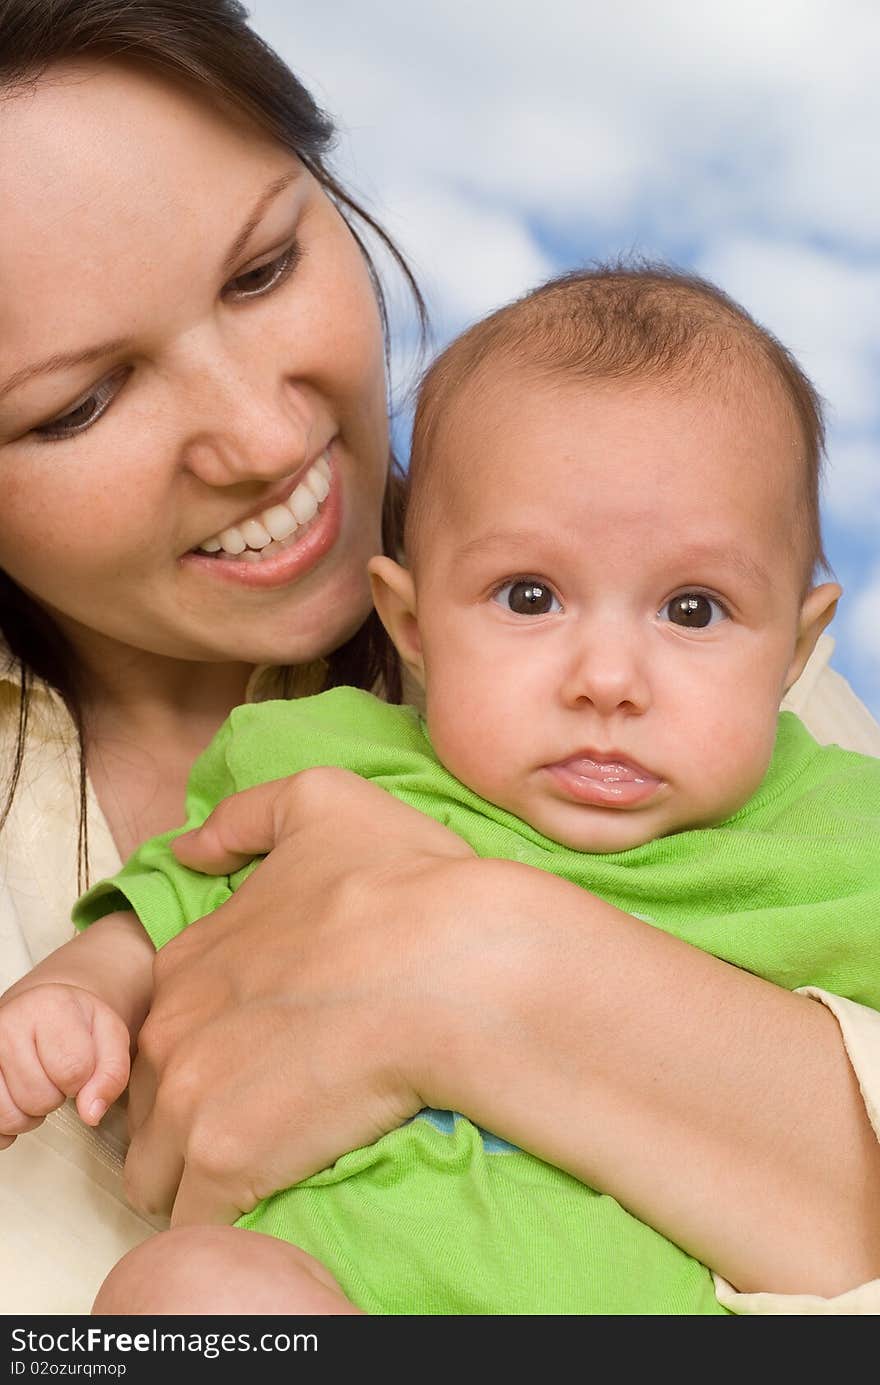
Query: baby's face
[[609, 605]]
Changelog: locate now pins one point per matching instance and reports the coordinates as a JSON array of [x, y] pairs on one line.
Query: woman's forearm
[[717, 1107]]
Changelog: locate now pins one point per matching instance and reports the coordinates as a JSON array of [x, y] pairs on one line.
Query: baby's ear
[[394, 596], [817, 610]]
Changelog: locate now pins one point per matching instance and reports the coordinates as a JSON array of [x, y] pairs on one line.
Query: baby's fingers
[[13, 1121], [112, 1063], [64, 1043], [57, 1041], [30, 1091]]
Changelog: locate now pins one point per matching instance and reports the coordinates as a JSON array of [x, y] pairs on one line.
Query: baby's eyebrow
[[748, 568], [693, 555], [497, 538]]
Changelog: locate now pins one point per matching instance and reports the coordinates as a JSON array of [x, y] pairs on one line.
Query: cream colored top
[[62, 1209]]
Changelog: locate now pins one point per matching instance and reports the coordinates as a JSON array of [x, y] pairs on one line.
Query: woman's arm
[[717, 1107]]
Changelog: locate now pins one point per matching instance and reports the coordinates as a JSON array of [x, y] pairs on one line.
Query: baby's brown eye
[[528, 597], [692, 610]]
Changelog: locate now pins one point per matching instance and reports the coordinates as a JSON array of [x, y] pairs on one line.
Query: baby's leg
[[217, 1270]]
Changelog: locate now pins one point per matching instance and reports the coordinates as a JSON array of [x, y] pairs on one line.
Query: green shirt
[[439, 1216]]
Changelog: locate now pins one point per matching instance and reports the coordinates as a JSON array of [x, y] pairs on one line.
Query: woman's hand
[[371, 965], [286, 1027]]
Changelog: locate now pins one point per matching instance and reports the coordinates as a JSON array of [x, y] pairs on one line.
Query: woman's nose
[[606, 670], [249, 431]]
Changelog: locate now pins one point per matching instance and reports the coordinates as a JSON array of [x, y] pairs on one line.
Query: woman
[[190, 341]]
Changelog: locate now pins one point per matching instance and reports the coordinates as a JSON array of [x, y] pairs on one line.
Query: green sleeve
[[165, 895], [344, 727], [257, 742]]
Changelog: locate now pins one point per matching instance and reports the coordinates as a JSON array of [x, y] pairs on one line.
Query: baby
[[611, 552]]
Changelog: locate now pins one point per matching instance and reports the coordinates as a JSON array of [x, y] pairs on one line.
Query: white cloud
[[467, 260], [852, 490], [824, 308], [721, 112], [861, 631], [493, 257]]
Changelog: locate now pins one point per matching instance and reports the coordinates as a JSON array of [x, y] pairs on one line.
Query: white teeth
[[279, 521], [303, 504], [231, 541], [318, 484], [249, 538], [255, 534]]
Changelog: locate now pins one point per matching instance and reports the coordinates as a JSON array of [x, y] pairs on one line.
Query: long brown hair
[[208, 45]]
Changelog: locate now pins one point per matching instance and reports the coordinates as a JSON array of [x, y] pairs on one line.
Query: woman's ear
[[817, 610], [394, 596]]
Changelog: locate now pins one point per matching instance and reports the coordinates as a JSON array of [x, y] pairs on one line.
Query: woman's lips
[[609, 782], [297, 556]]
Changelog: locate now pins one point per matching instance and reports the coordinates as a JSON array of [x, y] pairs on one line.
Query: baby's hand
[[58, 1041]]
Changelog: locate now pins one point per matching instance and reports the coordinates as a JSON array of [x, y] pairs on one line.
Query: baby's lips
[[607, 769], [611, 782]]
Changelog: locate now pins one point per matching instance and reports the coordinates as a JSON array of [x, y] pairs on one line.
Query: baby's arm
[[68, 1026]]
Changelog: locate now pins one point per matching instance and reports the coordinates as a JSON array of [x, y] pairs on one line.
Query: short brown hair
[[624, 322]]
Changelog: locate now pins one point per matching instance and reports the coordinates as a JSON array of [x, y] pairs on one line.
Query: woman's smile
[[240, 422], [281, 542], [294, 504]]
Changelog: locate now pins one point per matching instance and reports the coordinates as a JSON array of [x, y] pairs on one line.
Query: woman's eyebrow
[[266, 197], [65, 360]]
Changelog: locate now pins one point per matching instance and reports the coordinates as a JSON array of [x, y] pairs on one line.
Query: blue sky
[[500, 142]]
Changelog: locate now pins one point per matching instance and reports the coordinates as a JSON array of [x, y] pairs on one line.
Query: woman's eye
[[263, 278], [85, 412], [528, 596], [694, 611]]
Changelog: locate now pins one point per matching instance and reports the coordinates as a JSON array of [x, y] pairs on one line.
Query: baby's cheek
[[468, 739], [731, 764], [456, 748]]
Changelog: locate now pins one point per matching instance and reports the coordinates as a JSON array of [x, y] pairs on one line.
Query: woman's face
[[189, 343]]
